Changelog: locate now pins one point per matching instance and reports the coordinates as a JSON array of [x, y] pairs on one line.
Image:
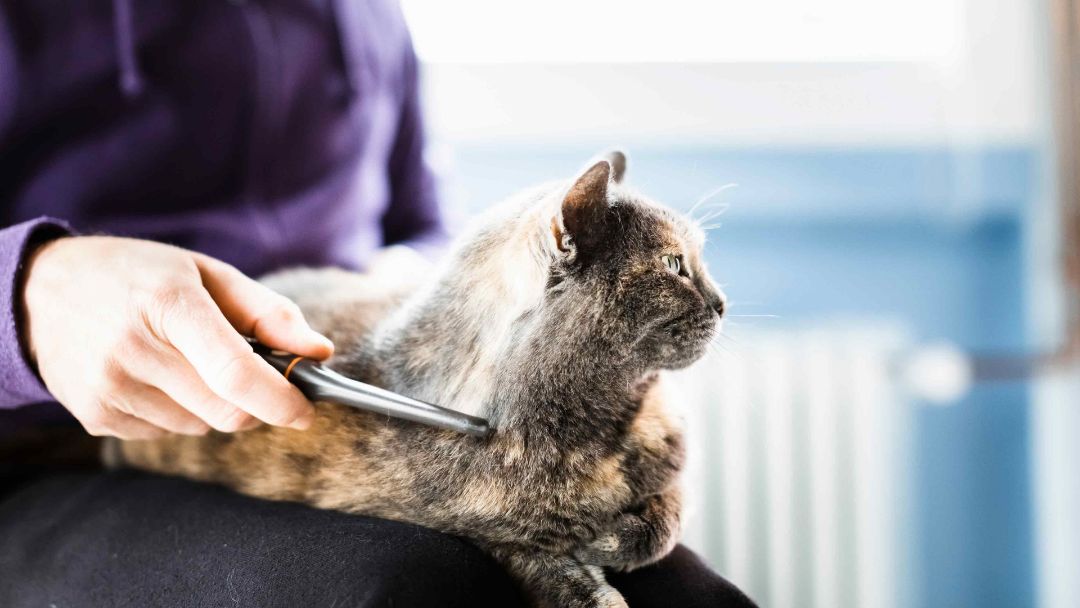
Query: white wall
[[980, 87]]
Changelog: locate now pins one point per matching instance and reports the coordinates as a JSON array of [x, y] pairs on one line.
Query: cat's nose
[[717, 303], [714, 296]]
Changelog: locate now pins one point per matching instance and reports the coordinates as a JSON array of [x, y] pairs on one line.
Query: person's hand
[[136, 338]]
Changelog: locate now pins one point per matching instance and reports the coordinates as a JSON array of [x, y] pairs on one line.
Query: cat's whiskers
[[743, 303], [716, 211], [718, 348], [732, 305], [712, 245], [720, 351], [752, 316], [733, 341], [707, 197]]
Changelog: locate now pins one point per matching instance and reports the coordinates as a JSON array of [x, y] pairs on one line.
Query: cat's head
[[578, 275], [629, 269]]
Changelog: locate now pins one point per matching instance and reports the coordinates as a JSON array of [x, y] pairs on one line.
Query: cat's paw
[[604, 551], [607, 597], [609, 548], [599, 595], [610, 598], [631, 541]]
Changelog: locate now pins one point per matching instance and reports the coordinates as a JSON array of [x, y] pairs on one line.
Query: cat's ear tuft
[[584, 207], [617, 158]]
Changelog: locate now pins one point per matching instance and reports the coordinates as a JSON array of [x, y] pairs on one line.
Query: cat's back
[[342, 305]]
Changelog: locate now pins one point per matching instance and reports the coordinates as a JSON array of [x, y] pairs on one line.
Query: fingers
[[119, 424], [255, 310], [157, 408], [226, 365], [177, 381]]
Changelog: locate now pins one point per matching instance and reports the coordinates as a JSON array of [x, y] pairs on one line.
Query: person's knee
[[680, 579], [442, 579], [392, 564]]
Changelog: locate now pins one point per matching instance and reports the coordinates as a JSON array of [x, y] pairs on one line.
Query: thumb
[[256, 310]]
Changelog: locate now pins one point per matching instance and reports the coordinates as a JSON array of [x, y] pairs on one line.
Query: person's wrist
[[35, 271]]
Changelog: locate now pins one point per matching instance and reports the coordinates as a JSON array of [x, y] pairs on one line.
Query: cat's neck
[[491, 342], [529, 383]]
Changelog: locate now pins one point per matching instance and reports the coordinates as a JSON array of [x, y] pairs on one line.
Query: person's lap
[[128, 539]]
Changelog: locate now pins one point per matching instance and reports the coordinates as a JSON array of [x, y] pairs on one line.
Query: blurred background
[[879, 182]]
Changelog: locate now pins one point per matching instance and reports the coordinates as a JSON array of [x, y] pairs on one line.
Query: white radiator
[[797, 485]]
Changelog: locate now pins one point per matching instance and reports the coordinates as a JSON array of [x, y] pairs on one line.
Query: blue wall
[[930, 237]]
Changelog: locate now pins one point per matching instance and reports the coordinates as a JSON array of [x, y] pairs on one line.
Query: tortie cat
[[553, 320]]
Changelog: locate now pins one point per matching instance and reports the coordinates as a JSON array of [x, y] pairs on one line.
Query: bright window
[[619, 31]]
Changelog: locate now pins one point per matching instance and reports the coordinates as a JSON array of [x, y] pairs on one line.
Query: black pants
[[129, 539]]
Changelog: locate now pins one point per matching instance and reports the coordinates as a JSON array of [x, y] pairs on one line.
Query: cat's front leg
[[639, 537], [558, 581]]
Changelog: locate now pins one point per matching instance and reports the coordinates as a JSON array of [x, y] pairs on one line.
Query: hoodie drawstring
[[131, 79]]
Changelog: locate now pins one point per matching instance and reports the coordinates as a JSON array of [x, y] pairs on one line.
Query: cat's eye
[[673, 263]]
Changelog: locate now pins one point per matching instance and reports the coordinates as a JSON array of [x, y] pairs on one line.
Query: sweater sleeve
[[19, 383], [414, 217]]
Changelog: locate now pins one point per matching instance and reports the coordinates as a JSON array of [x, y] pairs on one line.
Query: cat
[[553, 319]]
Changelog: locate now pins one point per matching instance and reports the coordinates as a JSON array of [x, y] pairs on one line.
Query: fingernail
[[323, 340], [303, 423]]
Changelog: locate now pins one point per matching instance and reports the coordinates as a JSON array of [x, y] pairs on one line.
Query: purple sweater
[[265, 133]]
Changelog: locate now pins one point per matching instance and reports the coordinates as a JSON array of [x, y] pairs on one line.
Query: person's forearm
[[20, 383]]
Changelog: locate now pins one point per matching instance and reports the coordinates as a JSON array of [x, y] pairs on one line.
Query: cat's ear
[[618, 165], [583, 209]]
